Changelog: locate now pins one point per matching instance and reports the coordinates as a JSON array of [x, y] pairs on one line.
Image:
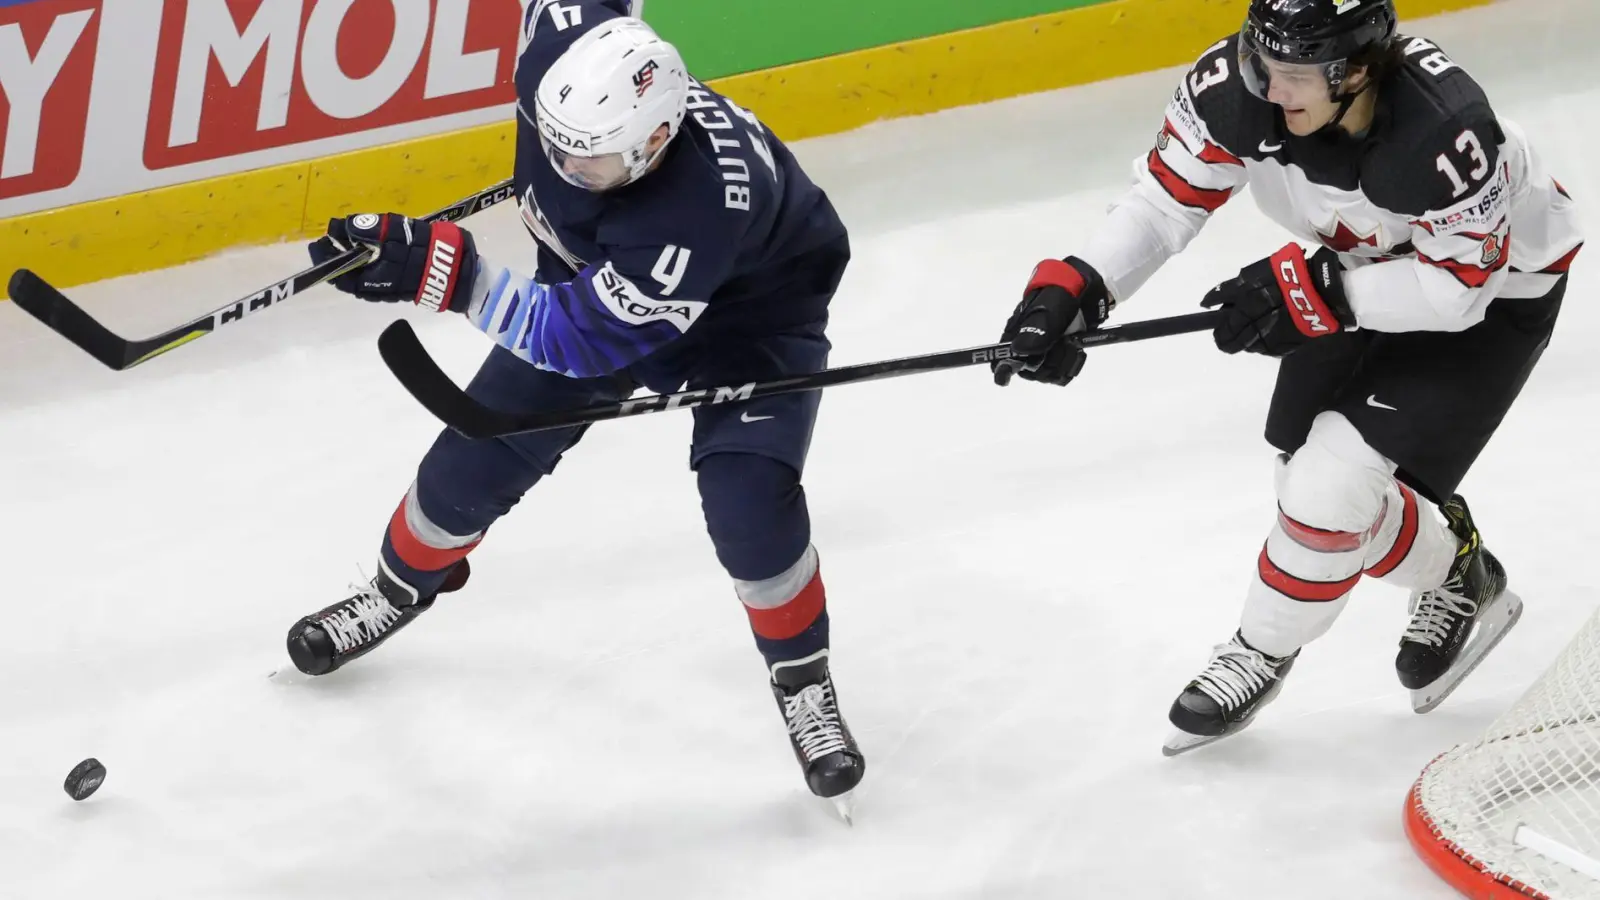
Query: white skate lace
[[365, 618], [1234, 674], [812, 721], [1436, 613]]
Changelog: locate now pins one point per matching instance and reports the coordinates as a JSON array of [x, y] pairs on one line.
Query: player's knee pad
[[463, 486], [1335, 481], [755, 510]]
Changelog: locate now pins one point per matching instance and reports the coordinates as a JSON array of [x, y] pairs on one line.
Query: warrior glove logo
[[435, 293]]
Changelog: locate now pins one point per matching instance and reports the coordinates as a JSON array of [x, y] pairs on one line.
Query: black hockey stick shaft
[[44, 302], [422, 377]]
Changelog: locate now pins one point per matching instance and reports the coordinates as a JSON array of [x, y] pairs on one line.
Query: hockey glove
[[431, 265], [1063, 297], [1279, 303]]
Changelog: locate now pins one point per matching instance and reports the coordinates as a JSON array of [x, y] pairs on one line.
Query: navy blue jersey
[[708, 240]]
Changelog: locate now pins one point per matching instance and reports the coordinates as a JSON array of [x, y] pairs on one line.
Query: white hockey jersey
[[1438, 209]]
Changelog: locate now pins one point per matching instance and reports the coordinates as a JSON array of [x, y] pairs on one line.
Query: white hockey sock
[[1412, 547], [1283, 612], [1330, 494]]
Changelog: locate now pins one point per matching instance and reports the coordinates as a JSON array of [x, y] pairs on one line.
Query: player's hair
[[1380, 60]]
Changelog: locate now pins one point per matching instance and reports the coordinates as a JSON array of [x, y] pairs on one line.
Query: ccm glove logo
[[1312, 316]]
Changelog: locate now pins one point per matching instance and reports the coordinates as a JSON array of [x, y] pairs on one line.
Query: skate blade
[[287, 675], [1488, 631], [845, 806], [1182, 742]]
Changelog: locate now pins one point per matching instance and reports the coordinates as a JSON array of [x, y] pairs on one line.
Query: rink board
[[178, 223]]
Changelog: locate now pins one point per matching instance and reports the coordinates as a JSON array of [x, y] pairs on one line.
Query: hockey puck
[[84, 779]]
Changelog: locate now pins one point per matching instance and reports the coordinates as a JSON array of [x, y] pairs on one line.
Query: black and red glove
[[1279, 303], [1062, 297], [429, 264]]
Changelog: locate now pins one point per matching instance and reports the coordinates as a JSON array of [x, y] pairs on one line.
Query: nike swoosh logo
[[746, 417], [1273, 148], [1372, 400]]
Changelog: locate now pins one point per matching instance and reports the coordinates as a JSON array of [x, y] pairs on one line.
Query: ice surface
[[1020, 581]]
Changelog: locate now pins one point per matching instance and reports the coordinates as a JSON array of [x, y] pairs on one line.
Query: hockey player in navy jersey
[[679, 244], [1442, 250]]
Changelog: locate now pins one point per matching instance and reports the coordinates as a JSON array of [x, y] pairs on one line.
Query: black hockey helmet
[[1324, 33]]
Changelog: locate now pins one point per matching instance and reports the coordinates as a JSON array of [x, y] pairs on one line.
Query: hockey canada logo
[[643, 78], [1493, 246]]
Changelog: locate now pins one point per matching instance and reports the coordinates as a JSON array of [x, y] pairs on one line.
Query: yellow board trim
[[182, 223]]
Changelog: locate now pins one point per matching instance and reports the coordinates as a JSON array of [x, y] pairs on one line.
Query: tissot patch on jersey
[[1183, 122], [1480, 212]]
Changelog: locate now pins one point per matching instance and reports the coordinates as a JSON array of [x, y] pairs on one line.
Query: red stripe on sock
[[1318, 539], [1404, 541], [1300, 589], [786, 621], [414, 553]]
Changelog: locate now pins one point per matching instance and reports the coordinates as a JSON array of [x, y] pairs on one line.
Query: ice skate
[[827, 753], [328, 639], [1224, 698], [1454, 626]]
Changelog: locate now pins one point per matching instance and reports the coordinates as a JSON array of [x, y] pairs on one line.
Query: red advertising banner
[[99, 98], [47, 64], [233, 76]]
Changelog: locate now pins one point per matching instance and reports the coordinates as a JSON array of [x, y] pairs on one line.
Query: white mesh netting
[[1531, 779]]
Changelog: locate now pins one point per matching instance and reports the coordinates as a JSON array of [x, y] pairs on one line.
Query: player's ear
[[1356, 79], [657, 138]]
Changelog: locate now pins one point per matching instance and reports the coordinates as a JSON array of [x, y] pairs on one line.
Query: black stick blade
[[39, 299], [417, 372]]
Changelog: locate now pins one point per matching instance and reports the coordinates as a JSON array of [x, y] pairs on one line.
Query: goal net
[[1516, 812]]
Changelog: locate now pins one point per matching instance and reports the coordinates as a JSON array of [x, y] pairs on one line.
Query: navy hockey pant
[[748, 458]]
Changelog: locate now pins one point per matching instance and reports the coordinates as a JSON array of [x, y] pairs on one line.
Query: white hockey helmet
[[602, 100]]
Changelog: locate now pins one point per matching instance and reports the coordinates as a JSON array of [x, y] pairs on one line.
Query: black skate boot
[[1223, 699], [827, 753], [1454, 626], [326, 640]]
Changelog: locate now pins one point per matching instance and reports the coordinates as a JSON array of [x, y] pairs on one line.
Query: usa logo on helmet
[[643, 78]]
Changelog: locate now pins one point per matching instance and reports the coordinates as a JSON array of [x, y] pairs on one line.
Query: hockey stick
[[422, 377], [44, 302]]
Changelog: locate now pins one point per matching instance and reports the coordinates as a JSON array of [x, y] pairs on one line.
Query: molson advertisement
[[105, 97]]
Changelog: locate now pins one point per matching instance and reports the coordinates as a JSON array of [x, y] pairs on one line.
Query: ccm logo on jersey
[[624, 300]]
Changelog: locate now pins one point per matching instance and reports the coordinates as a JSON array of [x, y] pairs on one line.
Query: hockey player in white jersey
[[1442, 247]]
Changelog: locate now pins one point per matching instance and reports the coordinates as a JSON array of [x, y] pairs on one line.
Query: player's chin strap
[[1346, 101]]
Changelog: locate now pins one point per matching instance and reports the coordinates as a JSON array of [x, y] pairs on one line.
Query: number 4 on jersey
[[669, 268]]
